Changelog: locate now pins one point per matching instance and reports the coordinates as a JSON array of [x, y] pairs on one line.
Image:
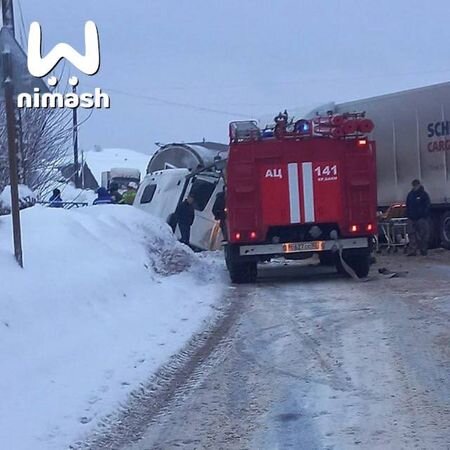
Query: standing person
[[220, 213], [55, 200], [103, 197], [130, 194], [184, 216], [418, 213], [114, 192]]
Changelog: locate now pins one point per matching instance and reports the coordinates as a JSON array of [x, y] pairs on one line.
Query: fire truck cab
[[296, 189]]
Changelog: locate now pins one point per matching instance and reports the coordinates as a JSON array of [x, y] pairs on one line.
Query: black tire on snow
[[243, 272], [240, 271], [359, 263], [445, 230], [327, 258]]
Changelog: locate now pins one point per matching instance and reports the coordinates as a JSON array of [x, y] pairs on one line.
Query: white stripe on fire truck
[[294, 196], [308, 191]]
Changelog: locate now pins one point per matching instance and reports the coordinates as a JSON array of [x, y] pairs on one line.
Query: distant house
[[88, 180]]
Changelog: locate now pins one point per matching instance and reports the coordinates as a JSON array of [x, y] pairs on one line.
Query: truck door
[[204, 231]]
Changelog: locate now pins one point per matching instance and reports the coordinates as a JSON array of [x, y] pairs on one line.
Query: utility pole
[[75, 144], [8, 15], [12, 152], [14, 78], [82, 170], [12, 131], [8, 22]]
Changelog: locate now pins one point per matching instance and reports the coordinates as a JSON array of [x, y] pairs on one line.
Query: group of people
[[104, 196], [113, 196]]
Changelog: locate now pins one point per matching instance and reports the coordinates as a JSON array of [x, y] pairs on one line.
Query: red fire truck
[[300, 188]]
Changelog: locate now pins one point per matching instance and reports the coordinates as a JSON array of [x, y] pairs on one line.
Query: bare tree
[[46, 137]]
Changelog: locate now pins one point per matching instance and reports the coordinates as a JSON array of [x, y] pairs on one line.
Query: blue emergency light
[[303, 126]]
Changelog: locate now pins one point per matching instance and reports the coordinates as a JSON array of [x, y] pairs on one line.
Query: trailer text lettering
[[439, 146], [438, 129]]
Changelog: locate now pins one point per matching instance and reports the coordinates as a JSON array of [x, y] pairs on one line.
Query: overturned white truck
[[176, 170]]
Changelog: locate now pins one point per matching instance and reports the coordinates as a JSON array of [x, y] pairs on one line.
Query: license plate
[[302, 246]]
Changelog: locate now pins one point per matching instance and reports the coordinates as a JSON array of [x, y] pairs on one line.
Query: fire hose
[[340, 250]]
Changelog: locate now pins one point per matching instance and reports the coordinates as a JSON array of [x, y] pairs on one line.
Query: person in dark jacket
[[220, 213], [114, 193], [56, 200], [184, 216], [103, 197], [418, 214]]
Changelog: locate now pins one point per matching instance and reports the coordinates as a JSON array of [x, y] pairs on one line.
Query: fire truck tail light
[[354, 228], [362, 143], [237, 236], [369, 227], [253, 235]]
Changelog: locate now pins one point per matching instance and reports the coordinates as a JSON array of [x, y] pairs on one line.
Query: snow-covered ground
[[106, 296], [107, 158]]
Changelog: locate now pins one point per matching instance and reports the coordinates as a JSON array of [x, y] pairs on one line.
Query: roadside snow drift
[[106, 296]]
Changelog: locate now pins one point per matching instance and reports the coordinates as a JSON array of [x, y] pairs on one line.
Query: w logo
[[39, 66]]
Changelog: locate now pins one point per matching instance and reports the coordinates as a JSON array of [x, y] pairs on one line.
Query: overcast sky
[[180, 70]]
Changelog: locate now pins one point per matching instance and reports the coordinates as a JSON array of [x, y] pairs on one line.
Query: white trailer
[[412, 133]]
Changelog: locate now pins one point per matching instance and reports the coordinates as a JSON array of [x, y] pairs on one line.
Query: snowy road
[[314, 361]]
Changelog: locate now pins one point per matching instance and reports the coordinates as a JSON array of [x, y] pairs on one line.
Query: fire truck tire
[[359, 262], [327, 258], [243, 273], [445, 230], [240, 271]]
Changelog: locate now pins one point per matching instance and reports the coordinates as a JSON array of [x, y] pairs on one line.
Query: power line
[[173, 103], [311, 79]]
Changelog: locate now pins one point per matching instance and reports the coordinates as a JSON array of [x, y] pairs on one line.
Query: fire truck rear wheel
[[327, 258], [243, 272], [240, 271], [359, 262], [361, 265]]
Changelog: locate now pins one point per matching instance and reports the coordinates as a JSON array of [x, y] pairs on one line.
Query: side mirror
[[219, 163]]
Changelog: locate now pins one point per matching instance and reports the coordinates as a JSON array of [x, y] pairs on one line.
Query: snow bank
[[26, 197], [91, 316]]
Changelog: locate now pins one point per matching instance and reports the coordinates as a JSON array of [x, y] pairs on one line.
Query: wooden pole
[[12, 152]]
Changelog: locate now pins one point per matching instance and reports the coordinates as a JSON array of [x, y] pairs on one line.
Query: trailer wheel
[[243, 273], [445, 230]]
